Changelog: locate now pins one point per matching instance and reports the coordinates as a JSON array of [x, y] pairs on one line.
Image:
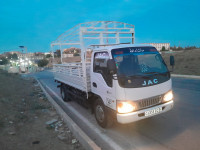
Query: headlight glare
[[168, 96], [125, 107]]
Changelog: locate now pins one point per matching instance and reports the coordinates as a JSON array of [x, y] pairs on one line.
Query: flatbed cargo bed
[[72, 74]]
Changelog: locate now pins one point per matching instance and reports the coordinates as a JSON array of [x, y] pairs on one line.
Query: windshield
[[139, 62]]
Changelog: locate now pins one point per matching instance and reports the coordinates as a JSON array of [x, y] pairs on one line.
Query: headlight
[[125, 107], [168, 96]]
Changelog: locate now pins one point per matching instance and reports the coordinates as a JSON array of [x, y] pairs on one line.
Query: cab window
[[100, 66]]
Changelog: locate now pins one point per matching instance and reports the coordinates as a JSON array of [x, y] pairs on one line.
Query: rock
[[41, 98], [59, 124], [74, 141], [66, 138], [12, 132], [62, 137], [36, 142], [51, 121], [11, 122], [56, 129], [76, 145]]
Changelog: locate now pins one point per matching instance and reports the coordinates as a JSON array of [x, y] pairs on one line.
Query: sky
[[36, 23]]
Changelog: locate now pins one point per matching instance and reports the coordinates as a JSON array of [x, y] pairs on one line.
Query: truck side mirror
[[111, 66]]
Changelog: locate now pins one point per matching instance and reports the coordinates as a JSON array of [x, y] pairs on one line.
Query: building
[[15, 52], [67, 55], [26, 55], [72, 50], [48, 53], [159, 46], [34, 57]]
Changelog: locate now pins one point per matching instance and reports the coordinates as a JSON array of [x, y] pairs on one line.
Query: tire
[[103, 118], [64, 93]]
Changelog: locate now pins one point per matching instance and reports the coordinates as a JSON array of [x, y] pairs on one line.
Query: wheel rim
[[99, 113]]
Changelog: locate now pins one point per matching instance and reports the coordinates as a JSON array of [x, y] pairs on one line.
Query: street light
[[24, 47]]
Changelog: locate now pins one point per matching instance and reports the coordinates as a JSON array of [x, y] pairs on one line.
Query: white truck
[[123, 82]]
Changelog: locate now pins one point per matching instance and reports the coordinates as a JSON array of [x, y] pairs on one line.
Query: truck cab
[[131, 82]]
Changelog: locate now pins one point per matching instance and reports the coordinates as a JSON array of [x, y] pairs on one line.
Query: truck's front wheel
[[102, 116]]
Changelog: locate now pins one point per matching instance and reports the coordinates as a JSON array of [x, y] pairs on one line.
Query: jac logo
[[150, 82]]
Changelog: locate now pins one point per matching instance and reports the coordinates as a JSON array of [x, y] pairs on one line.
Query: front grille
[[149, 102]]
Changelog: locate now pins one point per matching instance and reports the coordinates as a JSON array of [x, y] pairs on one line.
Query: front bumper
[[138, 115]]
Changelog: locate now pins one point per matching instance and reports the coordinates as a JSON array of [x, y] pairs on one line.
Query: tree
[[190, 47], [76, 54], [57, 53], [48, 56], [9, 55], [42, 63], [179, 48], [163, 48], [14, 56], [173, 48], [3, 61], [36, 54]]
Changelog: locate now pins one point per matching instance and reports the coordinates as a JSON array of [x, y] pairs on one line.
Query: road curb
[[185, 76], [87, 143]]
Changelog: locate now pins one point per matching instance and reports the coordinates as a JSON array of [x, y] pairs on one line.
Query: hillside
[[186, 61]]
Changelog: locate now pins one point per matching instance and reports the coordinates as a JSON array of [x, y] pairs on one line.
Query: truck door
[[101, 79]]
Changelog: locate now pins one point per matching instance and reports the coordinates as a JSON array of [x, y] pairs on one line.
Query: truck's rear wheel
[[64, 93], [103, 118]]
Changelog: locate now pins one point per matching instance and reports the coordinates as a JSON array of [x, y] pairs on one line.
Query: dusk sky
[[36, 23]]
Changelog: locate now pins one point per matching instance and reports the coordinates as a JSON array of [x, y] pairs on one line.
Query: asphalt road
[[178, 129]]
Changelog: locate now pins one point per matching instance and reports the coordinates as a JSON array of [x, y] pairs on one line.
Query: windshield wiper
[[156, 73]]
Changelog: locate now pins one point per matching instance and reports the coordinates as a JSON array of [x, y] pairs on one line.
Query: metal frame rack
[[94, 33]]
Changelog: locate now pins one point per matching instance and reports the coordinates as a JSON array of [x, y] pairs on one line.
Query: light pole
[[26, 58], [23, 47]]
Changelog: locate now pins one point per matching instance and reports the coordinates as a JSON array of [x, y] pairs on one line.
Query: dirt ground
[[186, 61], [27, 119]]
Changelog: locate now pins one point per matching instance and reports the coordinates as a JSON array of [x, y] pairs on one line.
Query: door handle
[[94, 84]]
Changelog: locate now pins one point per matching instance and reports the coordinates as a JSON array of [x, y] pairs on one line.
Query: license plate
[[153, 111]]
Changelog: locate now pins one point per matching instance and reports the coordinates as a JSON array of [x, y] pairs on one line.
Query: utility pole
[[26, 57]]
